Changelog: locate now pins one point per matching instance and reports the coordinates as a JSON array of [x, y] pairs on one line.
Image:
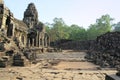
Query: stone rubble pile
[[106, 50]]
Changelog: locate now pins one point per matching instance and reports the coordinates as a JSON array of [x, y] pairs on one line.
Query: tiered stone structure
[[27, 33], [37, 36], [12, 27]]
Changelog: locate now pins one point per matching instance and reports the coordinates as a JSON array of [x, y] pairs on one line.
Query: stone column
[[37, 40], [48, 41], [40, 41], [25, 40], [45, 41], [32, 42], [28, 42]]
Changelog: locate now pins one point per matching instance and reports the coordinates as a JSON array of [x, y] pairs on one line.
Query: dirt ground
[[76, 65], [66, 65]]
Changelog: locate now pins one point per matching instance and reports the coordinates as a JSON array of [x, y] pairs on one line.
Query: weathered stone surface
[[106, 50], [112, 77], [2, 48], [31, 16], [37, 36], [73, 45], [17, 35], [42, 75]]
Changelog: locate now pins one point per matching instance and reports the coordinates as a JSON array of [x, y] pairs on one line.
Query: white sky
[[80, 12]]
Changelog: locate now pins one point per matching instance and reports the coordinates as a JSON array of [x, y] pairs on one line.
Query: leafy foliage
[[59, 30], [117, 27], [102, 25]]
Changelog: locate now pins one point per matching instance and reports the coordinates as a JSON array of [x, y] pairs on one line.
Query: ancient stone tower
[[31, 16], [37, 36]]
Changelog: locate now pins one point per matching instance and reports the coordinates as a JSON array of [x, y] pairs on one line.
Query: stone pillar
[[46, 42], [40, 41], [37, 40], [43, 42], [33, 42], [25, 41], [28, 42], [42, 38]]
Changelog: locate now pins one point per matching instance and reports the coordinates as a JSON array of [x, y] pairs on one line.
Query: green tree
[[117, 27], [77, 33], [92, 32], [102, 25], [58, 30]]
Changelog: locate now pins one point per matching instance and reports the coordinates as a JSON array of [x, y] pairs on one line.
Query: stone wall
[[73, 45]]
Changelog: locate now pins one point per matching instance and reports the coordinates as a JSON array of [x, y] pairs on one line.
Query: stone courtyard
[[57, 66]]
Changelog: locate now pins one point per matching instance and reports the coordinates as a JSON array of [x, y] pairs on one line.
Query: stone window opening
[[9, 27], [1, 9]]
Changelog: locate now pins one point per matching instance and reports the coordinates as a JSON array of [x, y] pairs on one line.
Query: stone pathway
[[49, 74], [39, 72], [62, 56]]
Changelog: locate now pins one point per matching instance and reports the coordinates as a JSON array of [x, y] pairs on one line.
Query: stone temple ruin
[[29, 32], [37, 37], [21, 39], [21, 36]]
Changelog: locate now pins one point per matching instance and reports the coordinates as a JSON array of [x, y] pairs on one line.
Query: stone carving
[[36, 32], [31, 16]]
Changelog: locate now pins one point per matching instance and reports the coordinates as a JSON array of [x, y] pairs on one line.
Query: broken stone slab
[[112, 77]]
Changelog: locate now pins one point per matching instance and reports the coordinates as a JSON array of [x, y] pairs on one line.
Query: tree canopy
[[60, 30], [117, 27], [102, 25]]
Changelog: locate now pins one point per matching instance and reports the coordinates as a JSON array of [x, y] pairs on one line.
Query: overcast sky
[[80, 12]]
